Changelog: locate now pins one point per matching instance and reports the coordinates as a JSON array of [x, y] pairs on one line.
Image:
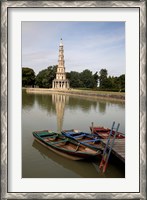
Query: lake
[[57, 112]]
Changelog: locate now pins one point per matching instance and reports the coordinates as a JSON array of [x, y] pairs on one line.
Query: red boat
[[104, 132]]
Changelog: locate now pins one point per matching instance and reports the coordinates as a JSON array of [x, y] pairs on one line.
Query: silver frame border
[[5, 4]]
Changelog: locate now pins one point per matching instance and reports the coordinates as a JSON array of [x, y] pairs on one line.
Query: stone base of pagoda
[[60, 84]]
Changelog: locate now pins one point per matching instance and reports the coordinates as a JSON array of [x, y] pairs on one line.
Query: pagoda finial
[[61, 44]]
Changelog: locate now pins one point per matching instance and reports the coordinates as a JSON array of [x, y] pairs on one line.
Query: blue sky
[[87, 45]]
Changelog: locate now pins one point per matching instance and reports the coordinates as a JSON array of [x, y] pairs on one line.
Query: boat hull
[[64, 147], [104, 133], [58, 152]]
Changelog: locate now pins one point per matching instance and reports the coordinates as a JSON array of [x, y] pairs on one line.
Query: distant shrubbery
[[84, 80]]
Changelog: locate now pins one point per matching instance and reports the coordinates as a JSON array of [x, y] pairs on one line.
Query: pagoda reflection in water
[[60, 100]]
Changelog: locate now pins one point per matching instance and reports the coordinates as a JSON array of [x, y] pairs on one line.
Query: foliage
[[111, 83], [28, 77], [74, 78], [103, 78], [87, 79], [45, 77], [122, 82], [95, 77], [84, 80]]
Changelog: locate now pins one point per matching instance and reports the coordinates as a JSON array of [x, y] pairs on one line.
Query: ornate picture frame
[[5, 6]]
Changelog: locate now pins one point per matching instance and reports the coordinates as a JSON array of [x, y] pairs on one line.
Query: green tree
[[45, 77], [103, 78], [84, 79], [74, 78], [28, 77], [122, 82], [87, 79], [112, 83], [108, 83], [95, 76]]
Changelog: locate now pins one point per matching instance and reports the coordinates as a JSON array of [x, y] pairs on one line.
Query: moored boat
[[64, 146], [87, 139], [104, 132]]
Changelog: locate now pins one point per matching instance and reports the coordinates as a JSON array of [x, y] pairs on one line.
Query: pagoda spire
[[61, 57], [61, 43]]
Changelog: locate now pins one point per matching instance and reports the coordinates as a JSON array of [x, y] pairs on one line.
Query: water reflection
[[102, 107], [59, 101], [76, 102], [45, 102], [56, 104], [28, 100], [76, 166], [91, 169], [49, 101]]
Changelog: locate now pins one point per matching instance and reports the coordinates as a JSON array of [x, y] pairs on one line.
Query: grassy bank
[[100, 94], [90, 93]]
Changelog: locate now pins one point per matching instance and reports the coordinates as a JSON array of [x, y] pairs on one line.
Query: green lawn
[[98, 92]]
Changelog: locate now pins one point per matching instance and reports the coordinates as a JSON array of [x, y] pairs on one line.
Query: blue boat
[[87, 139]]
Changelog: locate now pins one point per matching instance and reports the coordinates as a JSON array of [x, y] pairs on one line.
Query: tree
[[95, 76], [122, 82], [87, 79], [103, 78], [111, 83], [45, 77], [74, 78], [28, 77], [84, 79]]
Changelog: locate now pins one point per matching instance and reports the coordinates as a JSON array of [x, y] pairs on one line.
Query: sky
[[87, 45]]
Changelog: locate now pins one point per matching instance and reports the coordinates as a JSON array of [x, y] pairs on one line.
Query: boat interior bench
[[44, 135]]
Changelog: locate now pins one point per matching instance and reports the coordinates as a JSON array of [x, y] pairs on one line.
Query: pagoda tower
[[60, 82]]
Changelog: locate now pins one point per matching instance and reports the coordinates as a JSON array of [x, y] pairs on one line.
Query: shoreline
[[95, 94]]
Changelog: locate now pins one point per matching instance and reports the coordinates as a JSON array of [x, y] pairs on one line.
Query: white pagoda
[[60, 82]]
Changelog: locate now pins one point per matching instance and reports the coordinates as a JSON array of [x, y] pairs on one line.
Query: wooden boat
[[104, 132], [90, 140], [64, 146]]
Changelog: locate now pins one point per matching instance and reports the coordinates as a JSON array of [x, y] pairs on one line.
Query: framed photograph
[[65, 65]]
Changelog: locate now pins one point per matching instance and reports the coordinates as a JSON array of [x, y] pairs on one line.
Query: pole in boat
[[111, 146], [108, 148]]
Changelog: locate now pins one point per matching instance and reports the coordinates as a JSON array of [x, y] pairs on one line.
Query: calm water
[[57, 112]]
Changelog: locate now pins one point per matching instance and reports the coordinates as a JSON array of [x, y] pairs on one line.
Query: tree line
[[83, 80]]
